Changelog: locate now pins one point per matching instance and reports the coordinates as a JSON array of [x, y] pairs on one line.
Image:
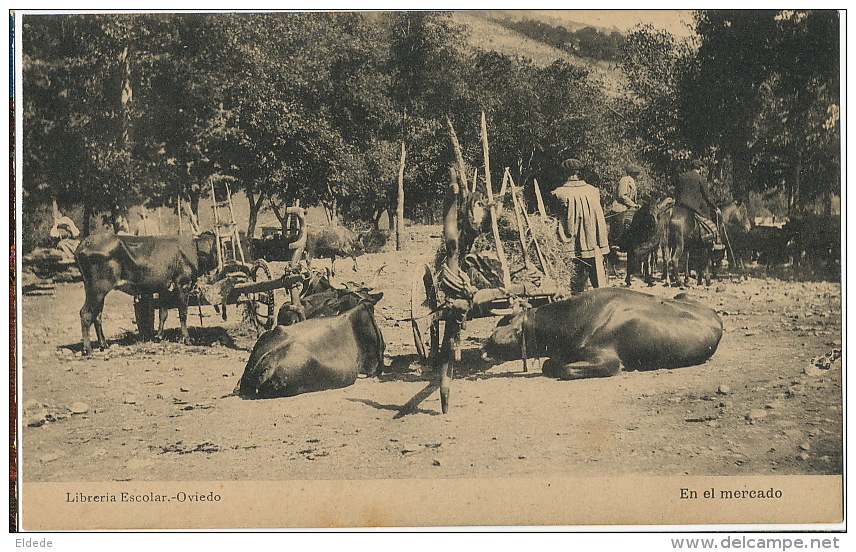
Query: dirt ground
[[767, 403]]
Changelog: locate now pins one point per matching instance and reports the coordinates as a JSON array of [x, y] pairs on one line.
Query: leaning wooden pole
[[520, 230], [500, 252], [545, 264], [399, 211], [541, 209]]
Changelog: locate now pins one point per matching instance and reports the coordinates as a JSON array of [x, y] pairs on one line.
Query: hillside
[[485, 34]]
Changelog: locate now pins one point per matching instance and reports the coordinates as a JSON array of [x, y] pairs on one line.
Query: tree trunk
[[399, 212], [740, 169], [87, 217], [126, 97], [253, 217], [793, 203]]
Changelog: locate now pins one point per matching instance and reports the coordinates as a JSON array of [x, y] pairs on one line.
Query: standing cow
[[331, 241], [140, 266]]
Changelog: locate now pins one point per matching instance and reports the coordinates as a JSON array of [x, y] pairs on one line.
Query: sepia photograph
[[354, 269]]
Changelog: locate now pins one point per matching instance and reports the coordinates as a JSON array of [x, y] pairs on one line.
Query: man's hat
[[572, 164], [634, 169], [697, 163]]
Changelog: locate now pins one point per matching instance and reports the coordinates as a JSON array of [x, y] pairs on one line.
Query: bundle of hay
[[484, 267]]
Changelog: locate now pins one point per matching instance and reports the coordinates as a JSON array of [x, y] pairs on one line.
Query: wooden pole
[[545, 265], [399, 214], [500, 252], [475, 179], [504, 184], [520, 231], [462, 168], [541, 208]]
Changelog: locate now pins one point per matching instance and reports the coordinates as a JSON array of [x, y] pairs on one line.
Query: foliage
[[764, 91], [586, 42], [125, 108]]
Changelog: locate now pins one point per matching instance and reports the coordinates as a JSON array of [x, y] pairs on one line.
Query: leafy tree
[[655, 62], [764, 93]]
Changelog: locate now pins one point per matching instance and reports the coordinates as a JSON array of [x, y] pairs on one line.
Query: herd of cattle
[[332, 335]]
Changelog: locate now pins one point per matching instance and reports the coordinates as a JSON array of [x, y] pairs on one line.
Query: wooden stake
[[500, 252], [462, 168], [504, 184], [399, 215], [475, 179], [541, 208], [545, 264], [520, 231]]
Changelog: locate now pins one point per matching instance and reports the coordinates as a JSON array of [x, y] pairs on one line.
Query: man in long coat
[[582, 227]]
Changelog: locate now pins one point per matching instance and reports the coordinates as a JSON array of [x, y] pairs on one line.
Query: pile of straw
[[545, 233]]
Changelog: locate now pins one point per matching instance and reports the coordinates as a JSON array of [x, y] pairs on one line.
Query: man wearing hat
[[582, 227], [693, 192]]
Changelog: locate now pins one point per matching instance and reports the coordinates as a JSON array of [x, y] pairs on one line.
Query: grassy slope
[[484, 34]]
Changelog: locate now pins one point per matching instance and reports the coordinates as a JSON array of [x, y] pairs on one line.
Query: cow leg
[[599, 363], [163, 312], [675, 260], [633, 265], [91, 311], [612, 261], [99, 331], [182, 315], [648, 269]]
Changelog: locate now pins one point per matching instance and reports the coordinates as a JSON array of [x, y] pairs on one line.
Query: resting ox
[[314, 355], [330, 302], [140, 265], [606, 330]]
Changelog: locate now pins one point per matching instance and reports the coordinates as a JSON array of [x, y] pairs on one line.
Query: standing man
[[693, 192], [582, 227]]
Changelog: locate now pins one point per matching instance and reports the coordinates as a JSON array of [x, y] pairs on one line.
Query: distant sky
[[670, 20]]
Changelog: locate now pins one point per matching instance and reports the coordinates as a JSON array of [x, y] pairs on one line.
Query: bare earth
[[164, 411]]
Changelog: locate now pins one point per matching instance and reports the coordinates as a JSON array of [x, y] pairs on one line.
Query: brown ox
[[314, 355], [603, 331], [333, 241], [140, 266]]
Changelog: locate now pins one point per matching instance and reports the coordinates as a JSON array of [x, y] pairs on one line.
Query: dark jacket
[[693, 192]]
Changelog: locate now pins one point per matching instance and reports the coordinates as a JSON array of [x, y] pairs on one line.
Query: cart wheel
[[261, 306], [144, 312], [426, 326]]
